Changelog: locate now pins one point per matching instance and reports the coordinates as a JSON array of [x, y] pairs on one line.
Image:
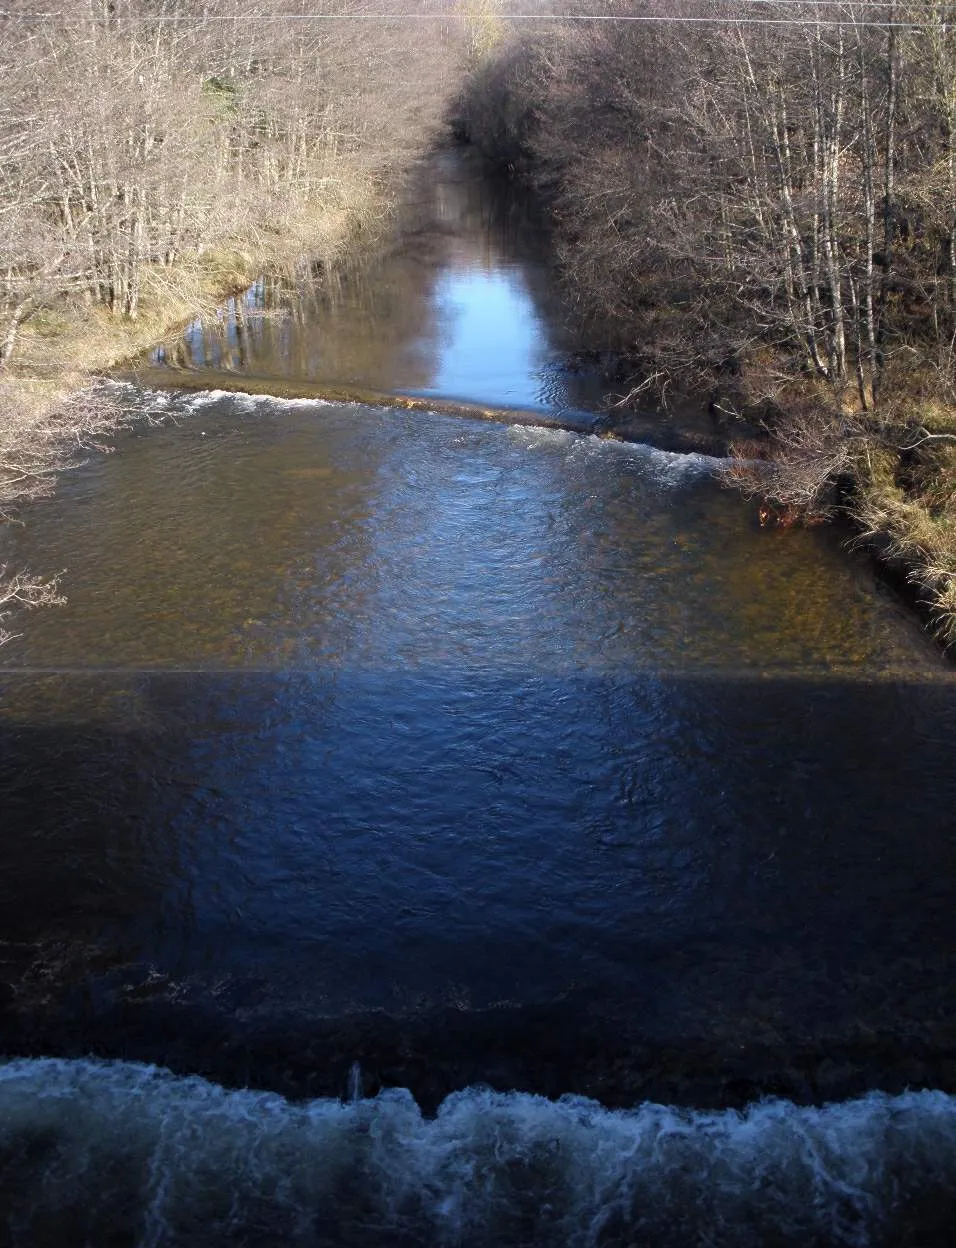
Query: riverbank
[[52, 414], [734, 277], [46, 411], [170, 160]]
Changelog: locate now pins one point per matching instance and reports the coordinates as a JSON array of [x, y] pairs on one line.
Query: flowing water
[[501, 803]]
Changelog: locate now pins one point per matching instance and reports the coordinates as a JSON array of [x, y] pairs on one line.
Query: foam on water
[[533, 437], [247, 402], [140, 398], [665, 466], [95, 1152], [668, 467], [149, 400], [244, 402]]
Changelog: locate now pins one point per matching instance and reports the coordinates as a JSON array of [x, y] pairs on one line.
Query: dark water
[[505, 764]]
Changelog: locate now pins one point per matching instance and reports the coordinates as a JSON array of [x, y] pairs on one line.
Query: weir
[[137, 1156], [456, 311]]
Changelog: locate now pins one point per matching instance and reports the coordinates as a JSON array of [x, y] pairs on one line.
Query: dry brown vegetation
[[156, 154], [765, 212]]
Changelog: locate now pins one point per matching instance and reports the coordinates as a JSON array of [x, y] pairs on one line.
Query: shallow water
[[475, 754]]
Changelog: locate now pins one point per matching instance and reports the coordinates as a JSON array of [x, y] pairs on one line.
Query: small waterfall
[[354, 1090], [97, 1152]]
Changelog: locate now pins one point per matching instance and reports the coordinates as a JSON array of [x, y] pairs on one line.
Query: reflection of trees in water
[[378, 320], [353, 323]]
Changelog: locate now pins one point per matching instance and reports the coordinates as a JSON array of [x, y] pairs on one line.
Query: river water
[[500, 803]]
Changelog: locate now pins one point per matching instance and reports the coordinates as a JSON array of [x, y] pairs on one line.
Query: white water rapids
[[115, 1153]]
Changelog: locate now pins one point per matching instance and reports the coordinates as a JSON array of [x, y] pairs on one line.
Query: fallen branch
[[926, 436]]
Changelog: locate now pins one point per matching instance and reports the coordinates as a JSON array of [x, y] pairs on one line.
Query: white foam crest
[[672, 466], [664, 466], [277, 400], [200, 399], [142, 397], [534, 437], [252, 402], [96, 1146]]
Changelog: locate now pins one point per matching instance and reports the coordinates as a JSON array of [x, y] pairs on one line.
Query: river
[[421, 829]]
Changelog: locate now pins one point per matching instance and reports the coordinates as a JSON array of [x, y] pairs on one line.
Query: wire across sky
[[937, 15]]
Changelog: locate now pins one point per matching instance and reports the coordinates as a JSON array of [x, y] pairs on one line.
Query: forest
[[755, 203]]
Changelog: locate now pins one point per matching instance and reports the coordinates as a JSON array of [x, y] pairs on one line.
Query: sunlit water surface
[[476, 755]]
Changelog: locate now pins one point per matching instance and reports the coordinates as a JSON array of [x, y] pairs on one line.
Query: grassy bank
[[762, 216], [52, 415], [48, 411], [155, 159]]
